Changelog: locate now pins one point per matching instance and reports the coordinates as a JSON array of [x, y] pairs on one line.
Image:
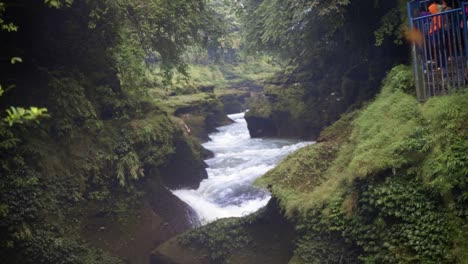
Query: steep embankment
[[263, 237], [89, 183], [386, 184], [103, 182], [392, 190], [199, 113]]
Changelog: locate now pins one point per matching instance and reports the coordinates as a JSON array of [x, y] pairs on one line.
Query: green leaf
[[15, 60]]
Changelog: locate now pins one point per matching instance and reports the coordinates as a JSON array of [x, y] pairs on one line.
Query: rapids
[[238, 161]]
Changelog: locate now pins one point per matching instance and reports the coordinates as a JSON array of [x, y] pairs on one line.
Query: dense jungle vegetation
[[337, 51], [104, 103], [91, 135]]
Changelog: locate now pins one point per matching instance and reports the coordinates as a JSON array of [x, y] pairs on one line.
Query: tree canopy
[[300, 30], [292, 28]]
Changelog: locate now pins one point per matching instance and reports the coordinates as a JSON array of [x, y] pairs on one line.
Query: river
[[238, 160]]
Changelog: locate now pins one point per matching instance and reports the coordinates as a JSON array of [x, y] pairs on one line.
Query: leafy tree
[[304, 30], [85, 65], [159, 28], [294, 28], [15, 115]]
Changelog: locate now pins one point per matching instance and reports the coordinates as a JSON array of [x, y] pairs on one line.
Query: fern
[[129, 168]]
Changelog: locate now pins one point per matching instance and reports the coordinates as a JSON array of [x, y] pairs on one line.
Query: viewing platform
[[439, 34]]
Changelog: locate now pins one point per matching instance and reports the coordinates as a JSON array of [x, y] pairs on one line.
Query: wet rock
[[184, 168], [269, 233], [261, 127], [235, 102], [161, 216]]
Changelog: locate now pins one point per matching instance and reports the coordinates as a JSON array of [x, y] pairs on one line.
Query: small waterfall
[[238, 161]]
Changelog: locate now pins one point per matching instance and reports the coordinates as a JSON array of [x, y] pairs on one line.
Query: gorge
[[123, 137], [238, 161]]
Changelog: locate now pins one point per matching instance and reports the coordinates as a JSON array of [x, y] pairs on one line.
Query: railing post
[[414, 54], [465, 33]]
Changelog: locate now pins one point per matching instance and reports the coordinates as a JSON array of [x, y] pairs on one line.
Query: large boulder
[[263, 237]]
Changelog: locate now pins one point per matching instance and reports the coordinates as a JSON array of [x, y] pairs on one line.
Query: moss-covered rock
[[185, 168], [131, 234], [261, 126], [103, 186], [264, 237], [199, 114], [234, 102], [291, 110], [383, 185]]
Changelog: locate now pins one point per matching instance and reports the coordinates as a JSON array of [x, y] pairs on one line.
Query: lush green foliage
[[447, 165], [221, 237], [19, 114], [330, 71], [103, 140], [379, 143], [306, 30], [299, 174], [160, 29], [41, 201], [297, 29], [392, 24], [390, 190]]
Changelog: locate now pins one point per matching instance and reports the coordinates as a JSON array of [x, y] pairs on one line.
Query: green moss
[[230, 76], [221, 238], [378, 134], [300, 173], [253, 70], [230, 92], [262, 237], [383, 185], [206, 75], [446, 166], [259, 106], [377, 140]]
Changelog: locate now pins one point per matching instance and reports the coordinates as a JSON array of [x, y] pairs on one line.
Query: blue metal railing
[[440, 50]]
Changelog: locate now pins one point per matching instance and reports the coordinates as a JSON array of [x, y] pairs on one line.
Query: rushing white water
[[238, 161]]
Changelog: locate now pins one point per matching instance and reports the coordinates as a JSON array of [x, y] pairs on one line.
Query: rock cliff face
[[261, 126], [235, 102], [185, 168], [159, 216], [201, 117]]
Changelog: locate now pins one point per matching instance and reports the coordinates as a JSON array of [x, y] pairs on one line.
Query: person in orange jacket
[[437, 32], [434, 8]]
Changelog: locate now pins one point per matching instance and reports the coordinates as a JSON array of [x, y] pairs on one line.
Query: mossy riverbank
[[385, 184], [263, 237], [90, 183]]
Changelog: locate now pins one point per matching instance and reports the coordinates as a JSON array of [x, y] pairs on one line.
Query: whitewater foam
[[238, 161]]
